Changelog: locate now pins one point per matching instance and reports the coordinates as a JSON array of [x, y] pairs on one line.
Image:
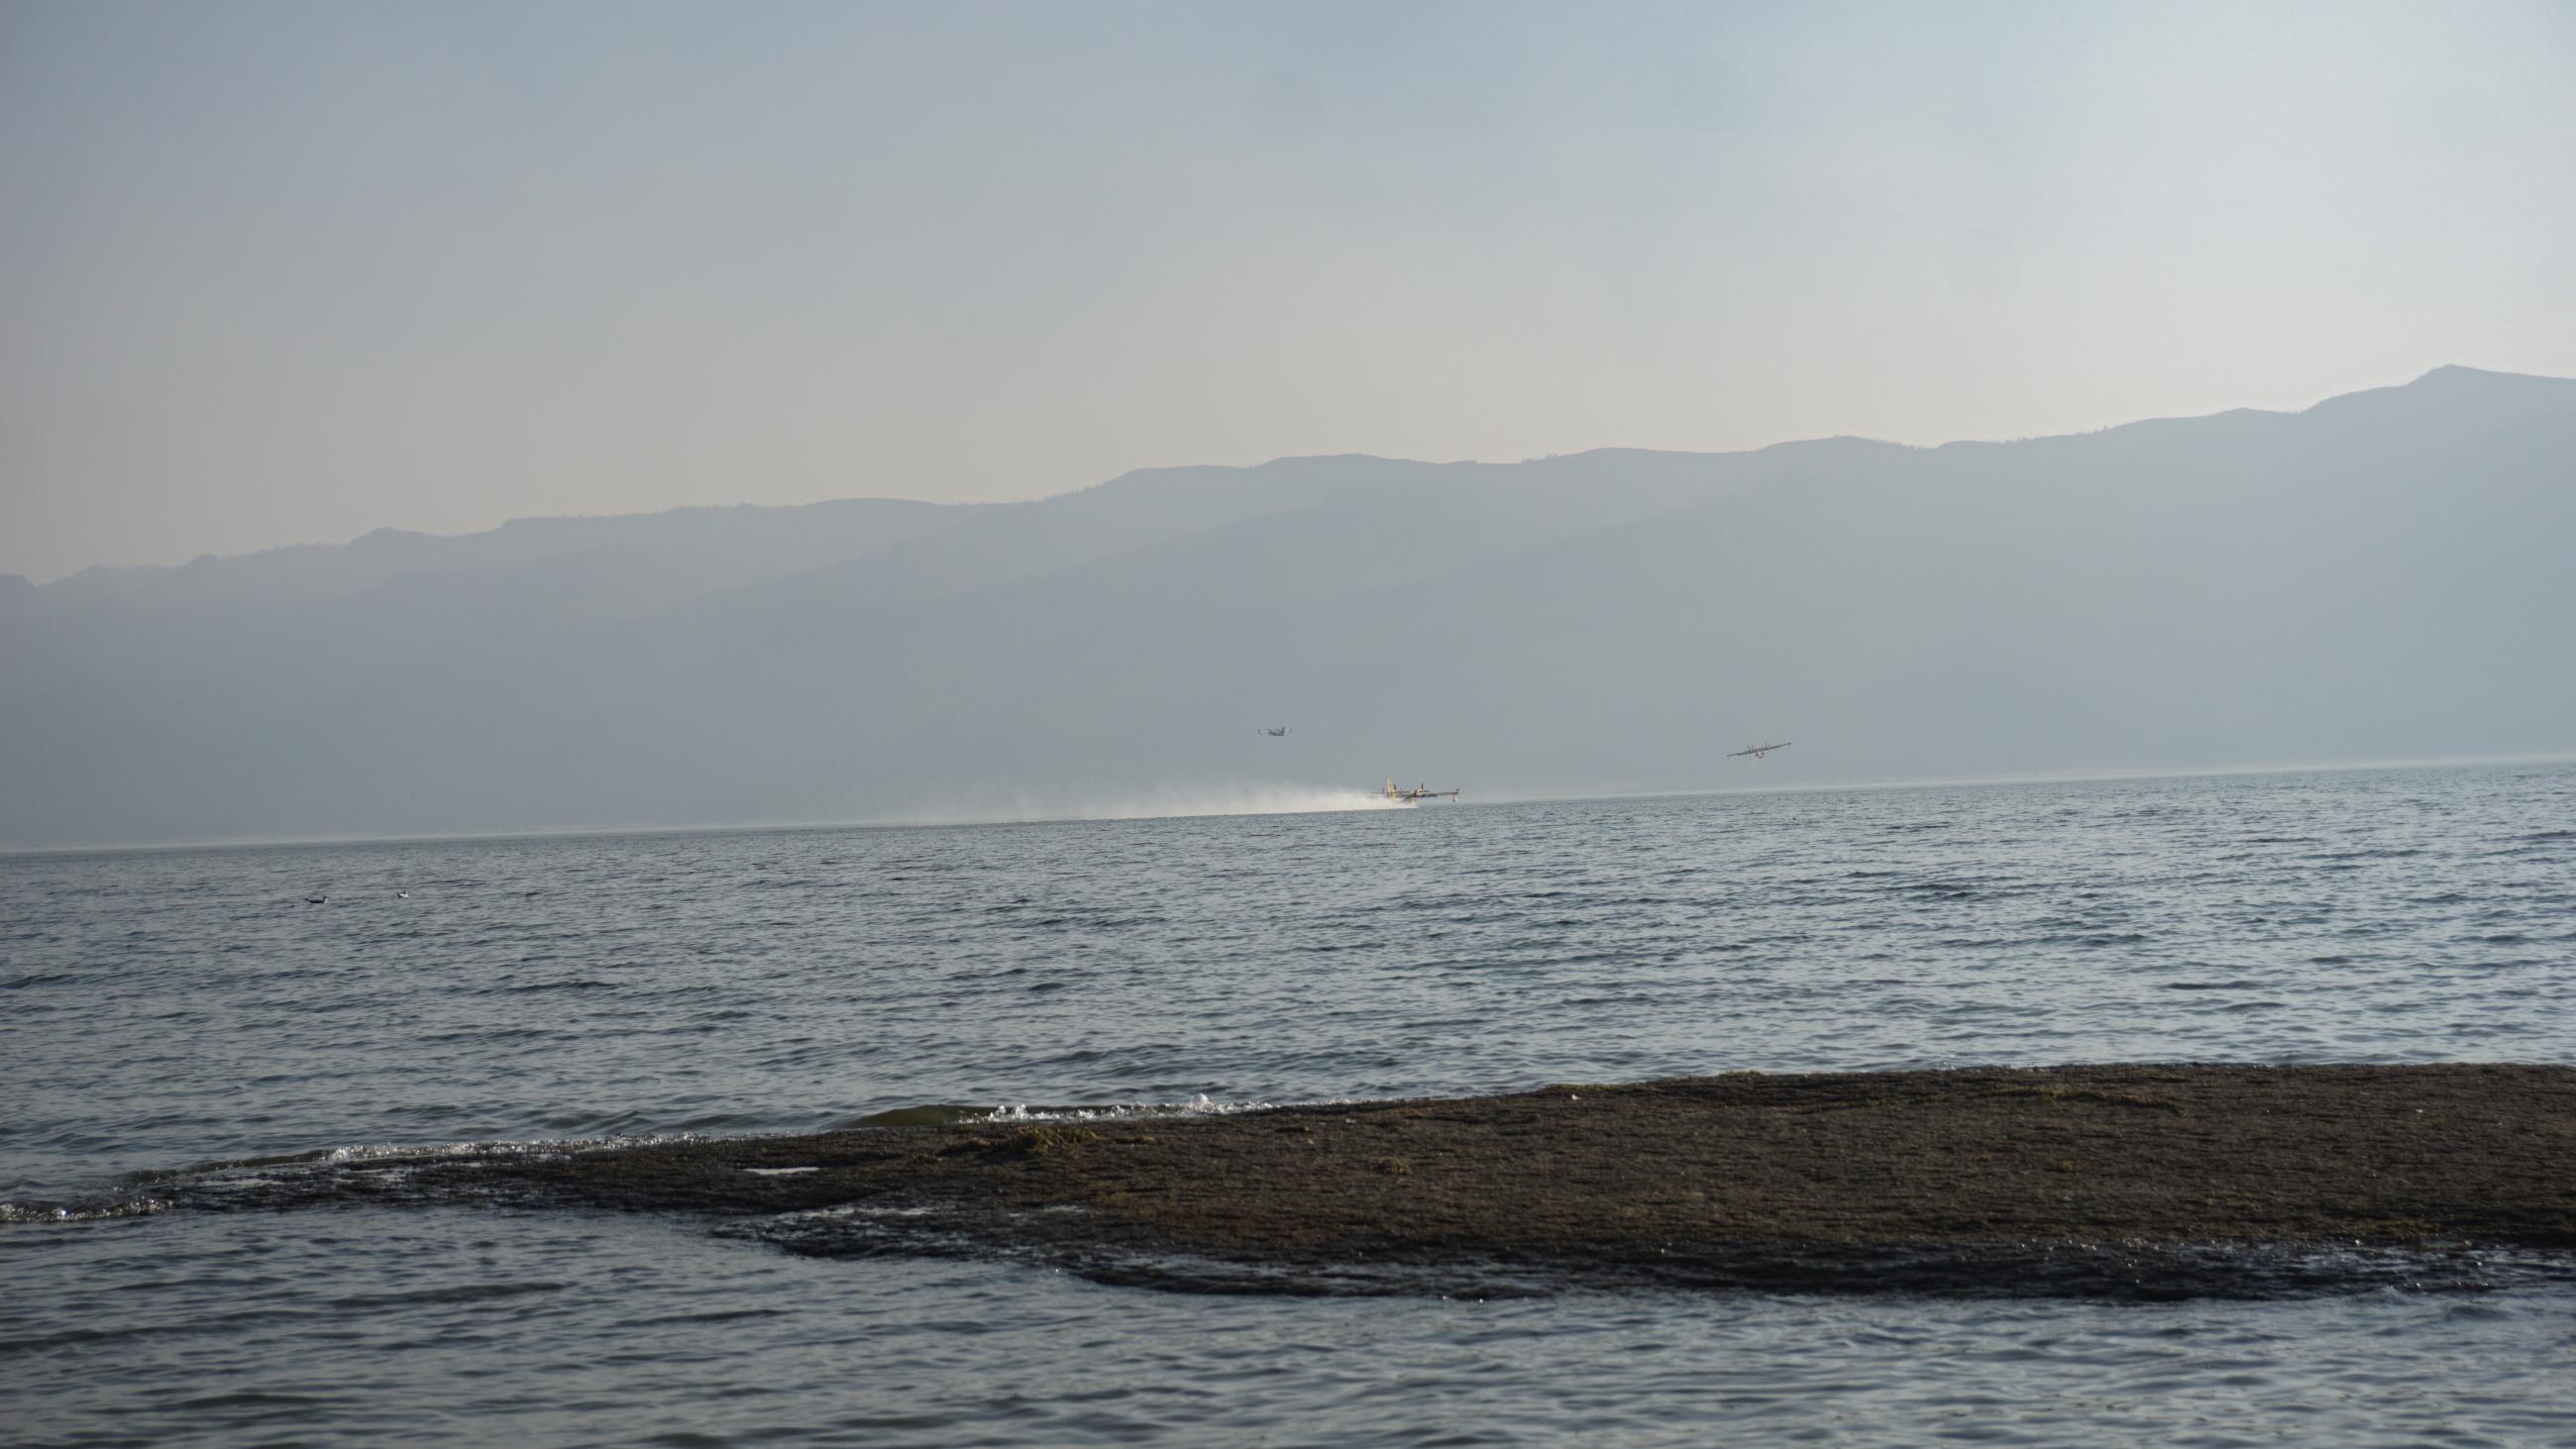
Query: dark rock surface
[[2151, 1181]]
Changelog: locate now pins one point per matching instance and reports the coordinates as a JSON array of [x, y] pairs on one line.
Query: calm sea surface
[[168, 1008]]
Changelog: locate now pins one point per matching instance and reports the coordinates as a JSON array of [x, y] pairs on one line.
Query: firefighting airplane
[[1396, 792], [1758, 751]]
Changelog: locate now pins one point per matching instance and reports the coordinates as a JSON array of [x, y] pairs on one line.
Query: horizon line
[[2073, 776]]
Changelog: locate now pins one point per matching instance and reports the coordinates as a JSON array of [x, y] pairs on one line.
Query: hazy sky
[[279, 273]]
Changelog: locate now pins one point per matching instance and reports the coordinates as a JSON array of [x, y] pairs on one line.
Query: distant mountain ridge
[[2376, 576], [767, 540]]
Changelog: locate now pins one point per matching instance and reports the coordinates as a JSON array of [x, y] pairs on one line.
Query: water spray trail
[[1171, 801]]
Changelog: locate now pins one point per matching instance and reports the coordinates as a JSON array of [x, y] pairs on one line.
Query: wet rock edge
[[2151, 1181]]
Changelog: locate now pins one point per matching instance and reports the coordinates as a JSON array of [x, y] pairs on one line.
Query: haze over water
[[175, 1007]]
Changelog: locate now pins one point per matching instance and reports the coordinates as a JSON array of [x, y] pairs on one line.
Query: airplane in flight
[[1418, 792], [1280, 733], [1758, 751]]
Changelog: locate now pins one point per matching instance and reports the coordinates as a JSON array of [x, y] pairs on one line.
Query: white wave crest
[[398, 1151], [20, 1212], [1201, 1105]]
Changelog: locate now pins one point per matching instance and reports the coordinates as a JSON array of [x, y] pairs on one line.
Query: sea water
[[167, 1008]]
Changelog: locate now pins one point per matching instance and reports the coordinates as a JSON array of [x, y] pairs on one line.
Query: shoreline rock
[[2150, 1181]]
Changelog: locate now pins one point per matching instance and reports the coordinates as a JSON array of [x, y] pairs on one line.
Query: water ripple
[[172, 1007]]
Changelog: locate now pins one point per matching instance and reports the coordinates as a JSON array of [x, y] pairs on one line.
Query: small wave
[[1201, 1105], [397, 1151], [37, 978], [1941, 890], [455, 1293], [720, 1315], [92, 1212], [258, 1399], [934, 1114], [2095, 938]]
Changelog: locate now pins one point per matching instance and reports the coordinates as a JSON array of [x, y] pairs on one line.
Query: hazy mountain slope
[[1967, 611], [2379, 576], [640, 560]]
